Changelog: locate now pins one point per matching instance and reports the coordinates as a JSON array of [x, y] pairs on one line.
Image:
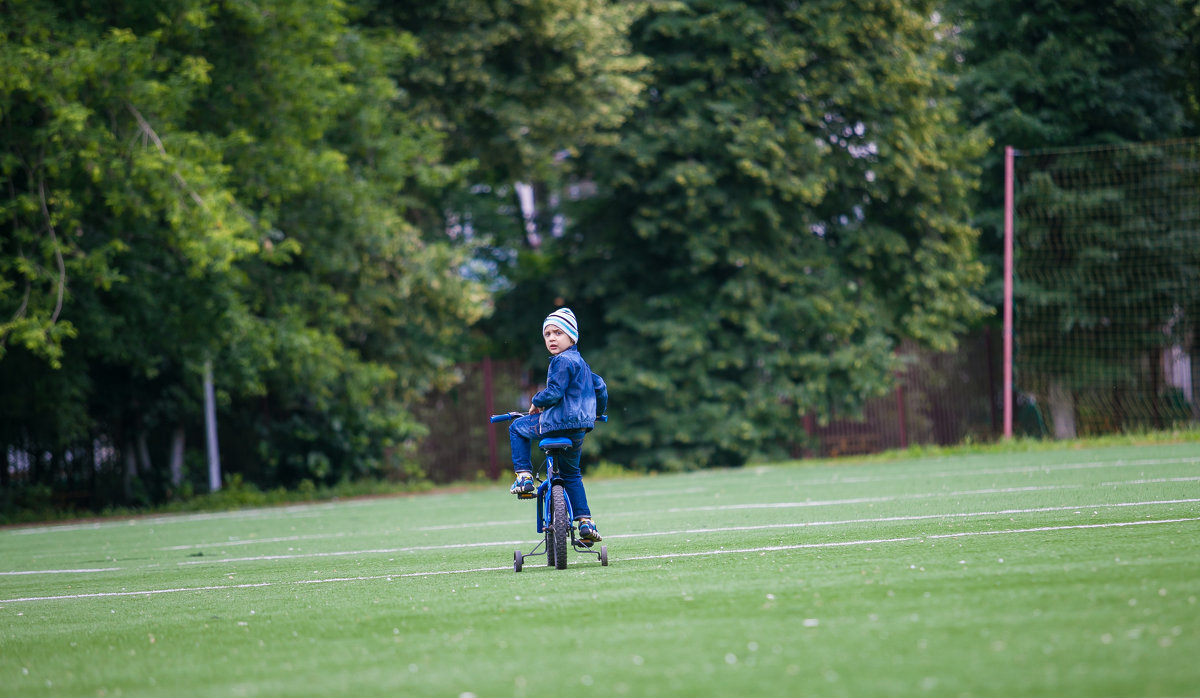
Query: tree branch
[[24, 302], [28, 285], [62, 267], [148, 133]]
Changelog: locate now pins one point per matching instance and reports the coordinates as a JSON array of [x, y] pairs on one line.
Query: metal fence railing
[[940, 399]]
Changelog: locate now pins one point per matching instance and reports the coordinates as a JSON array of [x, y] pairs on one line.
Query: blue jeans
[[521, 434]]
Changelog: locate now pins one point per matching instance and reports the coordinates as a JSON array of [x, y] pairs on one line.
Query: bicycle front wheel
[[560, 527]]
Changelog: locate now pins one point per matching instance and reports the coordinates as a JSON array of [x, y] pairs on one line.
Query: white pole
[[210, 428], [528, 212]]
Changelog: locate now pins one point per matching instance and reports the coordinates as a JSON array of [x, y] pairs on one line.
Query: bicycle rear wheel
[[560, 527]]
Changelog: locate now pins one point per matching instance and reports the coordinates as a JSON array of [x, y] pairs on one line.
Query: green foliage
[[235, 182], [1068, 74], [519, 88], [515, 83], [788, 202], [759, 200], [1190, 27], [1058, 73], [1109, 275]]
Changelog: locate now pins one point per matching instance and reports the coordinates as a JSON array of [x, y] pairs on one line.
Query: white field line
[[223, 587], [687, 531], [1044, 529], [344, 553], [918, 495], [900, 519], [907, 539], [723, 551], [1017, 470], [652, 493], [870, 500], [650, 534], [306, 510], [451, 527], [1155, 481], [836, 502], [80, 571], [252, 541], [790, 505], [295, 511]]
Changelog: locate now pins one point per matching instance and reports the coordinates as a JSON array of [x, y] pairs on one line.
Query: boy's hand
[[534, 409]]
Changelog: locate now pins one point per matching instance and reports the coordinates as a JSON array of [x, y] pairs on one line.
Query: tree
[[516, 84], [369, 315], [787, 203], [235, 182], [1109, 273], [1042, 75], [518, 88], [109, 230], [1191, 81]]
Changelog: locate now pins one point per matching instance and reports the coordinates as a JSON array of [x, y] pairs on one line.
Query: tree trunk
[[143, 453], [210, 429], [130, 470], [1062, 411], [529, 212], [177, 443]]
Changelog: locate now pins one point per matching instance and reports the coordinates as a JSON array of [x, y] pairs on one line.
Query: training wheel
[[604, 556], [519, 560]]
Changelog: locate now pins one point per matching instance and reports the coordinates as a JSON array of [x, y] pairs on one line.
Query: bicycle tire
[[559, 525], [549, 547]]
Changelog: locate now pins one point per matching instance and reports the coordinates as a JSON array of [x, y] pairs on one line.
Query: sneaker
[[588, 532], [523, 485]]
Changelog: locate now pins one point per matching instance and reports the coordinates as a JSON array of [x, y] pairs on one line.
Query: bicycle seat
[[554, 442]]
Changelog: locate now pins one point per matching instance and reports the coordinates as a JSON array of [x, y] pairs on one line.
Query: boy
[[567, 407]]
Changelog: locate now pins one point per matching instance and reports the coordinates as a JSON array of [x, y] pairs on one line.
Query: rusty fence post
[[489, 406]]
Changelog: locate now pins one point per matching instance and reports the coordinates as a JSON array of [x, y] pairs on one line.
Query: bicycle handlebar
[[513, 415]]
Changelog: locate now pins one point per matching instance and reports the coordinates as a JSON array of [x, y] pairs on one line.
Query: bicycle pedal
[[527, 495]]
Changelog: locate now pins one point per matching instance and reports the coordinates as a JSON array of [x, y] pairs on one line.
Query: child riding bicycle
[[567, 407]]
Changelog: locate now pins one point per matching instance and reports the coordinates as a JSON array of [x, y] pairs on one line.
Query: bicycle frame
[[544, 502], [554, 514]]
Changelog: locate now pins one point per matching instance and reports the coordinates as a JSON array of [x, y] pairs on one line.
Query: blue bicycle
[[555, 518]]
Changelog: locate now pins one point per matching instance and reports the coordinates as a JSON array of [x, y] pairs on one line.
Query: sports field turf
[[1048, 573]]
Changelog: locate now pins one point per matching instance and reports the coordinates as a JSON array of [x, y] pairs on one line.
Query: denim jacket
[[573, 397]]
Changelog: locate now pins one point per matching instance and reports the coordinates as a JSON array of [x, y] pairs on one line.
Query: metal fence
[[462, 444], [940, 398]]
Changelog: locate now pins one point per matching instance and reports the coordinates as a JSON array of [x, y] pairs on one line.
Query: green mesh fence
[[1107, 285]]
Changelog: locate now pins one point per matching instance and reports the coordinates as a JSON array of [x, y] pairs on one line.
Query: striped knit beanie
[[564, 318]]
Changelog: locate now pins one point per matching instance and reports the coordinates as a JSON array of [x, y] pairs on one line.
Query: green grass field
[[1048, 573]]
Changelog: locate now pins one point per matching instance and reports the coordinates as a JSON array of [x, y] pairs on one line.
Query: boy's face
[[557, 341]]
